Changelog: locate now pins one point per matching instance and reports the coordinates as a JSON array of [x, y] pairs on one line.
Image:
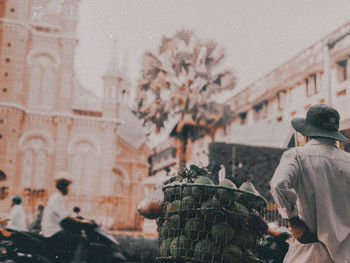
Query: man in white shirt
[[16, 219], [311, 187], [55, 215]]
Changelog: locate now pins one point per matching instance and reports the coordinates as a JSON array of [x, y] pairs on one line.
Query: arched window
[[35, 159], [42, 81], [83, 167]]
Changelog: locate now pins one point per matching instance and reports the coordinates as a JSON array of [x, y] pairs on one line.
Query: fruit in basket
[[188, 202], [231, 254], [203, 193], [170, 227], [222, 233], [226, 196], [212, 212], [165, 247], [244, 238], [211, 203], [173, 191], [174, 206], [194, 228], [252, 200], [238, 209], [186, 191], [206, 250], [249, 187], [180, 246]]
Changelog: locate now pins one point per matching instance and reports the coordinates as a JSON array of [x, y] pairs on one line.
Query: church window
[[34, 163], [83, 167]]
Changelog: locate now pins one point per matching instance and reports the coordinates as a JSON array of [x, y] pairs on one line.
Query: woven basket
[[207, 223]]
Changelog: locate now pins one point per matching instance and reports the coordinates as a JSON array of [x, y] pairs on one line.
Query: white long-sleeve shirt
[[17, 218], [54, 212], [313, 181]]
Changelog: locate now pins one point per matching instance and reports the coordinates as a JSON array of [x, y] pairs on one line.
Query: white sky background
[[257, 35]]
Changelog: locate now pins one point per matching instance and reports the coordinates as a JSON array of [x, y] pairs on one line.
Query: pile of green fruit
[[206, 222]]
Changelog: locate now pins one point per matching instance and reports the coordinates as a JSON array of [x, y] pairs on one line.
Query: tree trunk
[[182, 148]]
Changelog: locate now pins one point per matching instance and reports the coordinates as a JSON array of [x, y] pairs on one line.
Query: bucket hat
[[63, 175], [321, 121]]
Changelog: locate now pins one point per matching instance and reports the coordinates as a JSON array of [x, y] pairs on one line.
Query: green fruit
[[170, 227], [249, 187], [227, 196], [165, 247], [231, 254], [194, 229], [211, 210], [244, 238], [211, 203], [181, 246], [239, 209], [186, 191], [228, 183], [202, 193], [173, 191], [206, 250], [222, 233], [174, 206], [188, 202]]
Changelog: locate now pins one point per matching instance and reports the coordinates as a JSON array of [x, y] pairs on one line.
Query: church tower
[[37, 41], [116, 86]]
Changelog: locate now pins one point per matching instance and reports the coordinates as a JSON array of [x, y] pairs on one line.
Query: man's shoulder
[[291, 153]]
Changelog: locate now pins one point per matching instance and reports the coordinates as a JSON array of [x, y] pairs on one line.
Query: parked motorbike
[[28, 247], [273, 247]]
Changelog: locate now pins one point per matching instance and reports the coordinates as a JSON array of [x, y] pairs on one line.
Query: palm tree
[[179, 82]]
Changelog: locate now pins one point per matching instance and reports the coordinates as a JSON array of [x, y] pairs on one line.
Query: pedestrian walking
[[311, 187]]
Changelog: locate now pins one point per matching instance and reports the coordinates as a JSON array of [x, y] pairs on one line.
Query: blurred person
[[36, 225], [76, 212], [56, 222], [16, 219], [311, 187]]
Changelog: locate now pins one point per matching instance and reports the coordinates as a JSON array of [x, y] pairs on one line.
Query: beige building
[[319, 74], [49, 122]]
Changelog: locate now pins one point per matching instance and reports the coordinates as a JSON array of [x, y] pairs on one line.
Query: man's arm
[[283, 184]]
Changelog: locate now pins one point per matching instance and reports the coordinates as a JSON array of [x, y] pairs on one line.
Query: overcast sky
[[257, 35]]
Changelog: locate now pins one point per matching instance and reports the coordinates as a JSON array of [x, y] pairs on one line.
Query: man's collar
[[327, 141]]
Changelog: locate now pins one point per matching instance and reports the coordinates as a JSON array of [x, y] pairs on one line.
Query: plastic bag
[[151, 206]]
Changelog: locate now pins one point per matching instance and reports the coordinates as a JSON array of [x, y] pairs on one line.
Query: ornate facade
[[49, 123]]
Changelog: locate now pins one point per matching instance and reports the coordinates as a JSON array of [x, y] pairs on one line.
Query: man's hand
[[4, 220], [301, 231]]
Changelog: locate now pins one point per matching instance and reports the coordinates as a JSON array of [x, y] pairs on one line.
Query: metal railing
[[272, 215]]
